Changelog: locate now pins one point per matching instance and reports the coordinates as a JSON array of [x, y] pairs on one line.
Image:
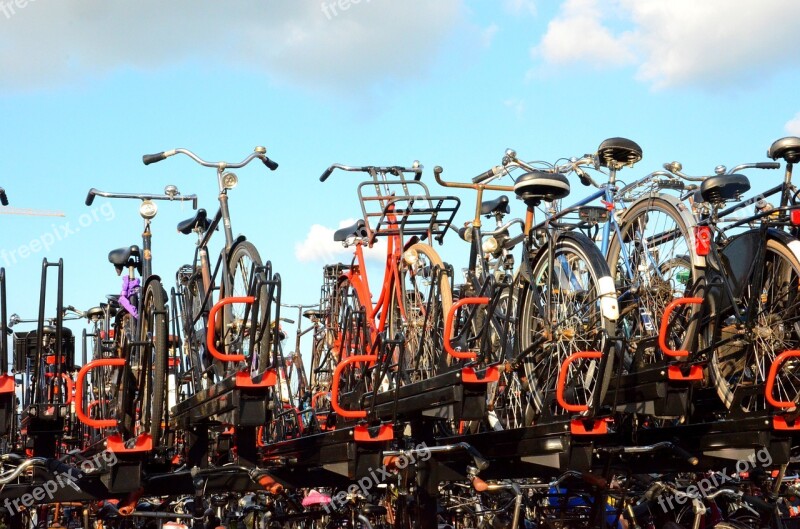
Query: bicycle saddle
[[122, 257], [200, 220], [94, 314], [536, 186], [787, 148], [373, 510], [498, 205], [721, 188], [312, 314], [356, 230], [615, 153]]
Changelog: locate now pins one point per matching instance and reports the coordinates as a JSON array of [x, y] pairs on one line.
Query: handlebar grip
[[90, 197], [485, 176], [57, 467], [271, 164], [153, 158], [768, 165], [326, 174], [3, 197], [680, 452]]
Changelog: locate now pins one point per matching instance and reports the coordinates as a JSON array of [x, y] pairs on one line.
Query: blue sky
[[87, 87]]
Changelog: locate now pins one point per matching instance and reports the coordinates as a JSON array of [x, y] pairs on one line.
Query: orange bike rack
[[337, 373], [470, 376], [773, 372], [562, 379], [79, 384], [212, 321], [7, 384], [448, 326], [69, 384], [662, 333]]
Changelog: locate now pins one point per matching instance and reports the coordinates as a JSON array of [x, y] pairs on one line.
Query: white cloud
[[578, 35], [516, 105], [519, 7], [712, 43], [793, 125], [487, 35], [48, 43], [320, 247]]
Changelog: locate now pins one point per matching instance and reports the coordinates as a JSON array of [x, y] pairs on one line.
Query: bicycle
[[748, 296], [242, 335], [141, 332], [490, 325], [567, 304], [415, 293]]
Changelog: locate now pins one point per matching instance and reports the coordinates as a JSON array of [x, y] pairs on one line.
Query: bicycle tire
[[154, 329], [194, 318], [652, 283], [589, 331], [243, 260], [425, 306], [732, 372]]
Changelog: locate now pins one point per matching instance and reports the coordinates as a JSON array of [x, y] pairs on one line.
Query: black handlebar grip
[[270, 163], [90, 197], [680, 452], [483, 176], [57, 467], [768, 165], [153, 158], [326, 174], [3, 197]]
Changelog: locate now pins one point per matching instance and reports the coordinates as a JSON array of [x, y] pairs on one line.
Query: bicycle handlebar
[[497, 170], [437, 174], [415, 168], [676, 168], [140, 196], [3, 197], [664, 445], [259, 152]]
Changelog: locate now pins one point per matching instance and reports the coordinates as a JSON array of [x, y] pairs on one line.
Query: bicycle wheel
[[237, 316], [194, 318], [561, 315], [152, 358], [651, 264], [420, 314], [509, 400], [739, 366], [344, 322]]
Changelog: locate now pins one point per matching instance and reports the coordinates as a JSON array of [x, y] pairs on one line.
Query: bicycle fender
[[686, 216], [606, 288]]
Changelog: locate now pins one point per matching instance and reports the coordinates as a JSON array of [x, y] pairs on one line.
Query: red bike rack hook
[[448, 326], [773, 372], [662, 333], [212, 321], [337, 373], [79, 384], [562, 379]]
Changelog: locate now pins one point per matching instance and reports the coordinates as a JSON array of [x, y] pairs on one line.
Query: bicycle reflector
[[702, 240], [795, 217]]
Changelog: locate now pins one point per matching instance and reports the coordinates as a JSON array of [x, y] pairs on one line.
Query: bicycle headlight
[[148, 209], [489, 245], [229, 180], [410, 256]]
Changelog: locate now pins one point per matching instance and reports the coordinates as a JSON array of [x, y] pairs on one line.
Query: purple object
[[130, 287]]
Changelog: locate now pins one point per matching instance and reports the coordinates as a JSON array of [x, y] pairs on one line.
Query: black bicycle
[[141, 331]]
